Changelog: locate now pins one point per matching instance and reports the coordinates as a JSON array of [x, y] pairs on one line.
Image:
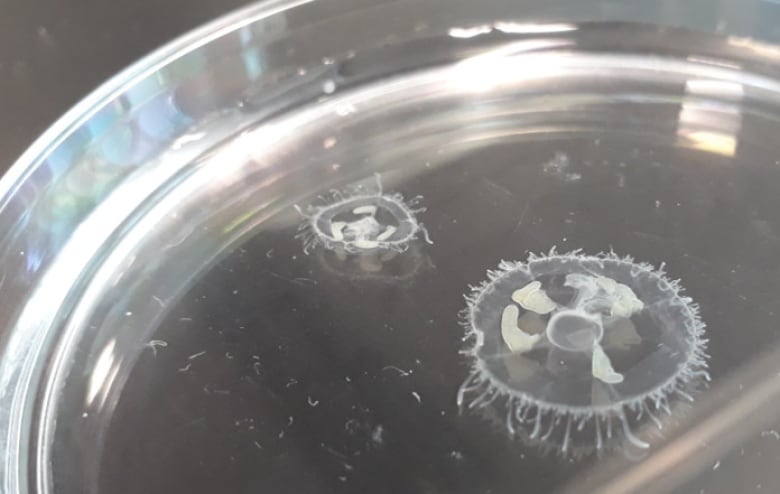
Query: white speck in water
[[257, 444], [456, 455], [312, 402], [351, 425], [716, 465], [559, 167], [657, 204], [235, 292], [153, 344], [84, 415], [229, 356], [301, 71], [290, 421], [196, 355], [43, 33], [348, 379], [400, 371], [328, 61], [128, 313], [377, 435], [329, 142], [772, 433], [417, 396], [185, 368], [328, 87]]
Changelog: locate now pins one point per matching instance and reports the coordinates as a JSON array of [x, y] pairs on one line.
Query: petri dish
[[241, 264]]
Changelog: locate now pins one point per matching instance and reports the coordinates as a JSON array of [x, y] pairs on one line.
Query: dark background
[[53, 53]]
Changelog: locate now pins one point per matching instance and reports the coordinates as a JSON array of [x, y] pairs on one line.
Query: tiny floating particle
[[560, 167], [577, 349], [154, 344], [378, 434], [772, 433], [360, 220]]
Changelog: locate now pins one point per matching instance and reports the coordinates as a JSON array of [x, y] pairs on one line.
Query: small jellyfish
[[360, 220], [578, 349]]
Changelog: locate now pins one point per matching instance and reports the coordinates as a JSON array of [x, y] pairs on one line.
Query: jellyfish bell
[[573, 346], [361, 219], [381, 266]]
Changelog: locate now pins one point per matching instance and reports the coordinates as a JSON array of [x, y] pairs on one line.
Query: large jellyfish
[[581, 348], [360, 220]]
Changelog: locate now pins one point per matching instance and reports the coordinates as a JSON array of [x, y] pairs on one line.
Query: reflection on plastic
[[103, 374]]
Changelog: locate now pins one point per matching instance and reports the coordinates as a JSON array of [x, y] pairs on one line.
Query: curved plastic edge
[[30, 159]]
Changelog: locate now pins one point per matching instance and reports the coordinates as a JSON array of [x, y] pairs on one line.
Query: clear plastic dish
[[428, 246]]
